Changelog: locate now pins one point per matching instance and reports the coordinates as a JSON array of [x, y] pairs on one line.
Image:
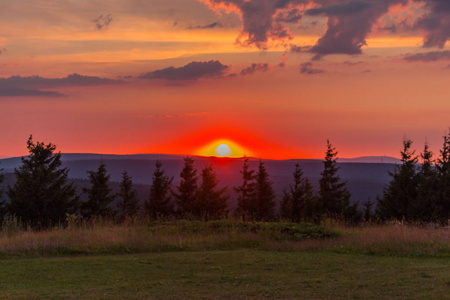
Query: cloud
[[352, 64], [349, 22], [192, 71], [255, 68], [103, 21], [307, 68], [428, 56], [436, 22], [262, 20], [340, 9], [295, 49], [32, 85], [208, 26], [2, 50]]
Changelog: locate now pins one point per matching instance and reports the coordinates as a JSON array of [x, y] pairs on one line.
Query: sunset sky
[[274, 78]]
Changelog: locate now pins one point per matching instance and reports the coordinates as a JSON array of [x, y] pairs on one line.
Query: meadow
[[223, 260]]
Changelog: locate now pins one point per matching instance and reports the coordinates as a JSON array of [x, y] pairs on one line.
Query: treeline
[[42, 197], [418, 192]]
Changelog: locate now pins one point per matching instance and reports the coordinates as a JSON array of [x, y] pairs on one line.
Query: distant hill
[[365, 176]]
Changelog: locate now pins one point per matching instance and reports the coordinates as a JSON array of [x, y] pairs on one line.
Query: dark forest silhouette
[[42, 196]]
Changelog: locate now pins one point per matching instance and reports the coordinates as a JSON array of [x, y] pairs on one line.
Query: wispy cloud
[[428, 56], [103, 21], [193, 71], [261, 67], [207, 26], [307, 68]]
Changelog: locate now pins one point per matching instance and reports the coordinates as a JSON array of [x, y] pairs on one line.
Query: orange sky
[[175, 76]]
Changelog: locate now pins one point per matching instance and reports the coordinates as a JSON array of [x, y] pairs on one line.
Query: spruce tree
[[159, 204], [41, 196], [187, 190], [211, 201], [368, 215], [400, 195], [246, 193], [129, 205], [424, 209], [99, 194], [442, 204], [2, 202], [333, 193], [294, 202], [265, 195]]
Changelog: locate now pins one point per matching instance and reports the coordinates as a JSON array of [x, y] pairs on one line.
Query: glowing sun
[[223, 150]]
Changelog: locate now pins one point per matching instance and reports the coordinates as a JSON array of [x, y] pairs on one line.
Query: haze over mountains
[[365, 176]]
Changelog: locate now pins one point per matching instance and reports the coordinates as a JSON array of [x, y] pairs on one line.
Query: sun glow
[[223, 148]]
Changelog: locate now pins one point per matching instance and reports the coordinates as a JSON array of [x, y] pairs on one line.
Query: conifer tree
[[129, 205], [424, 209], [246, 193], [333, 193], [99, 194], [442, 204], [211, 201], [294, 202], [2, 202], [368, 215], [400, 194], [159, 204], [41, 196], [187, 190], [265, 195]]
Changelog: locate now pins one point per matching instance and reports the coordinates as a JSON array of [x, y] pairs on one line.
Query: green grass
[[232, 274], [224, 260]]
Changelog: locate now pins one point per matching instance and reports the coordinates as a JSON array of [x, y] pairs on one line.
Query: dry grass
[[138, 237], [382, 240]]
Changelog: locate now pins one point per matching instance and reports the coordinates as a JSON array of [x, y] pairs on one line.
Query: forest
[[42, 196]]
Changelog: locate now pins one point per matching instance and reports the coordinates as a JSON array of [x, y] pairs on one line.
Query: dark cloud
[[2, 50], [32, 85], [349, 22], [436, 22], [255, 68], [428, 56], [295, 49], [103, 21], [192, 71], [263, 19], [307, 68], [340, 9], [208, 26]]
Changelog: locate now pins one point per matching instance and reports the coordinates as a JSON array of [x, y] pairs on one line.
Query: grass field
[[225, 260], [232, 274]]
